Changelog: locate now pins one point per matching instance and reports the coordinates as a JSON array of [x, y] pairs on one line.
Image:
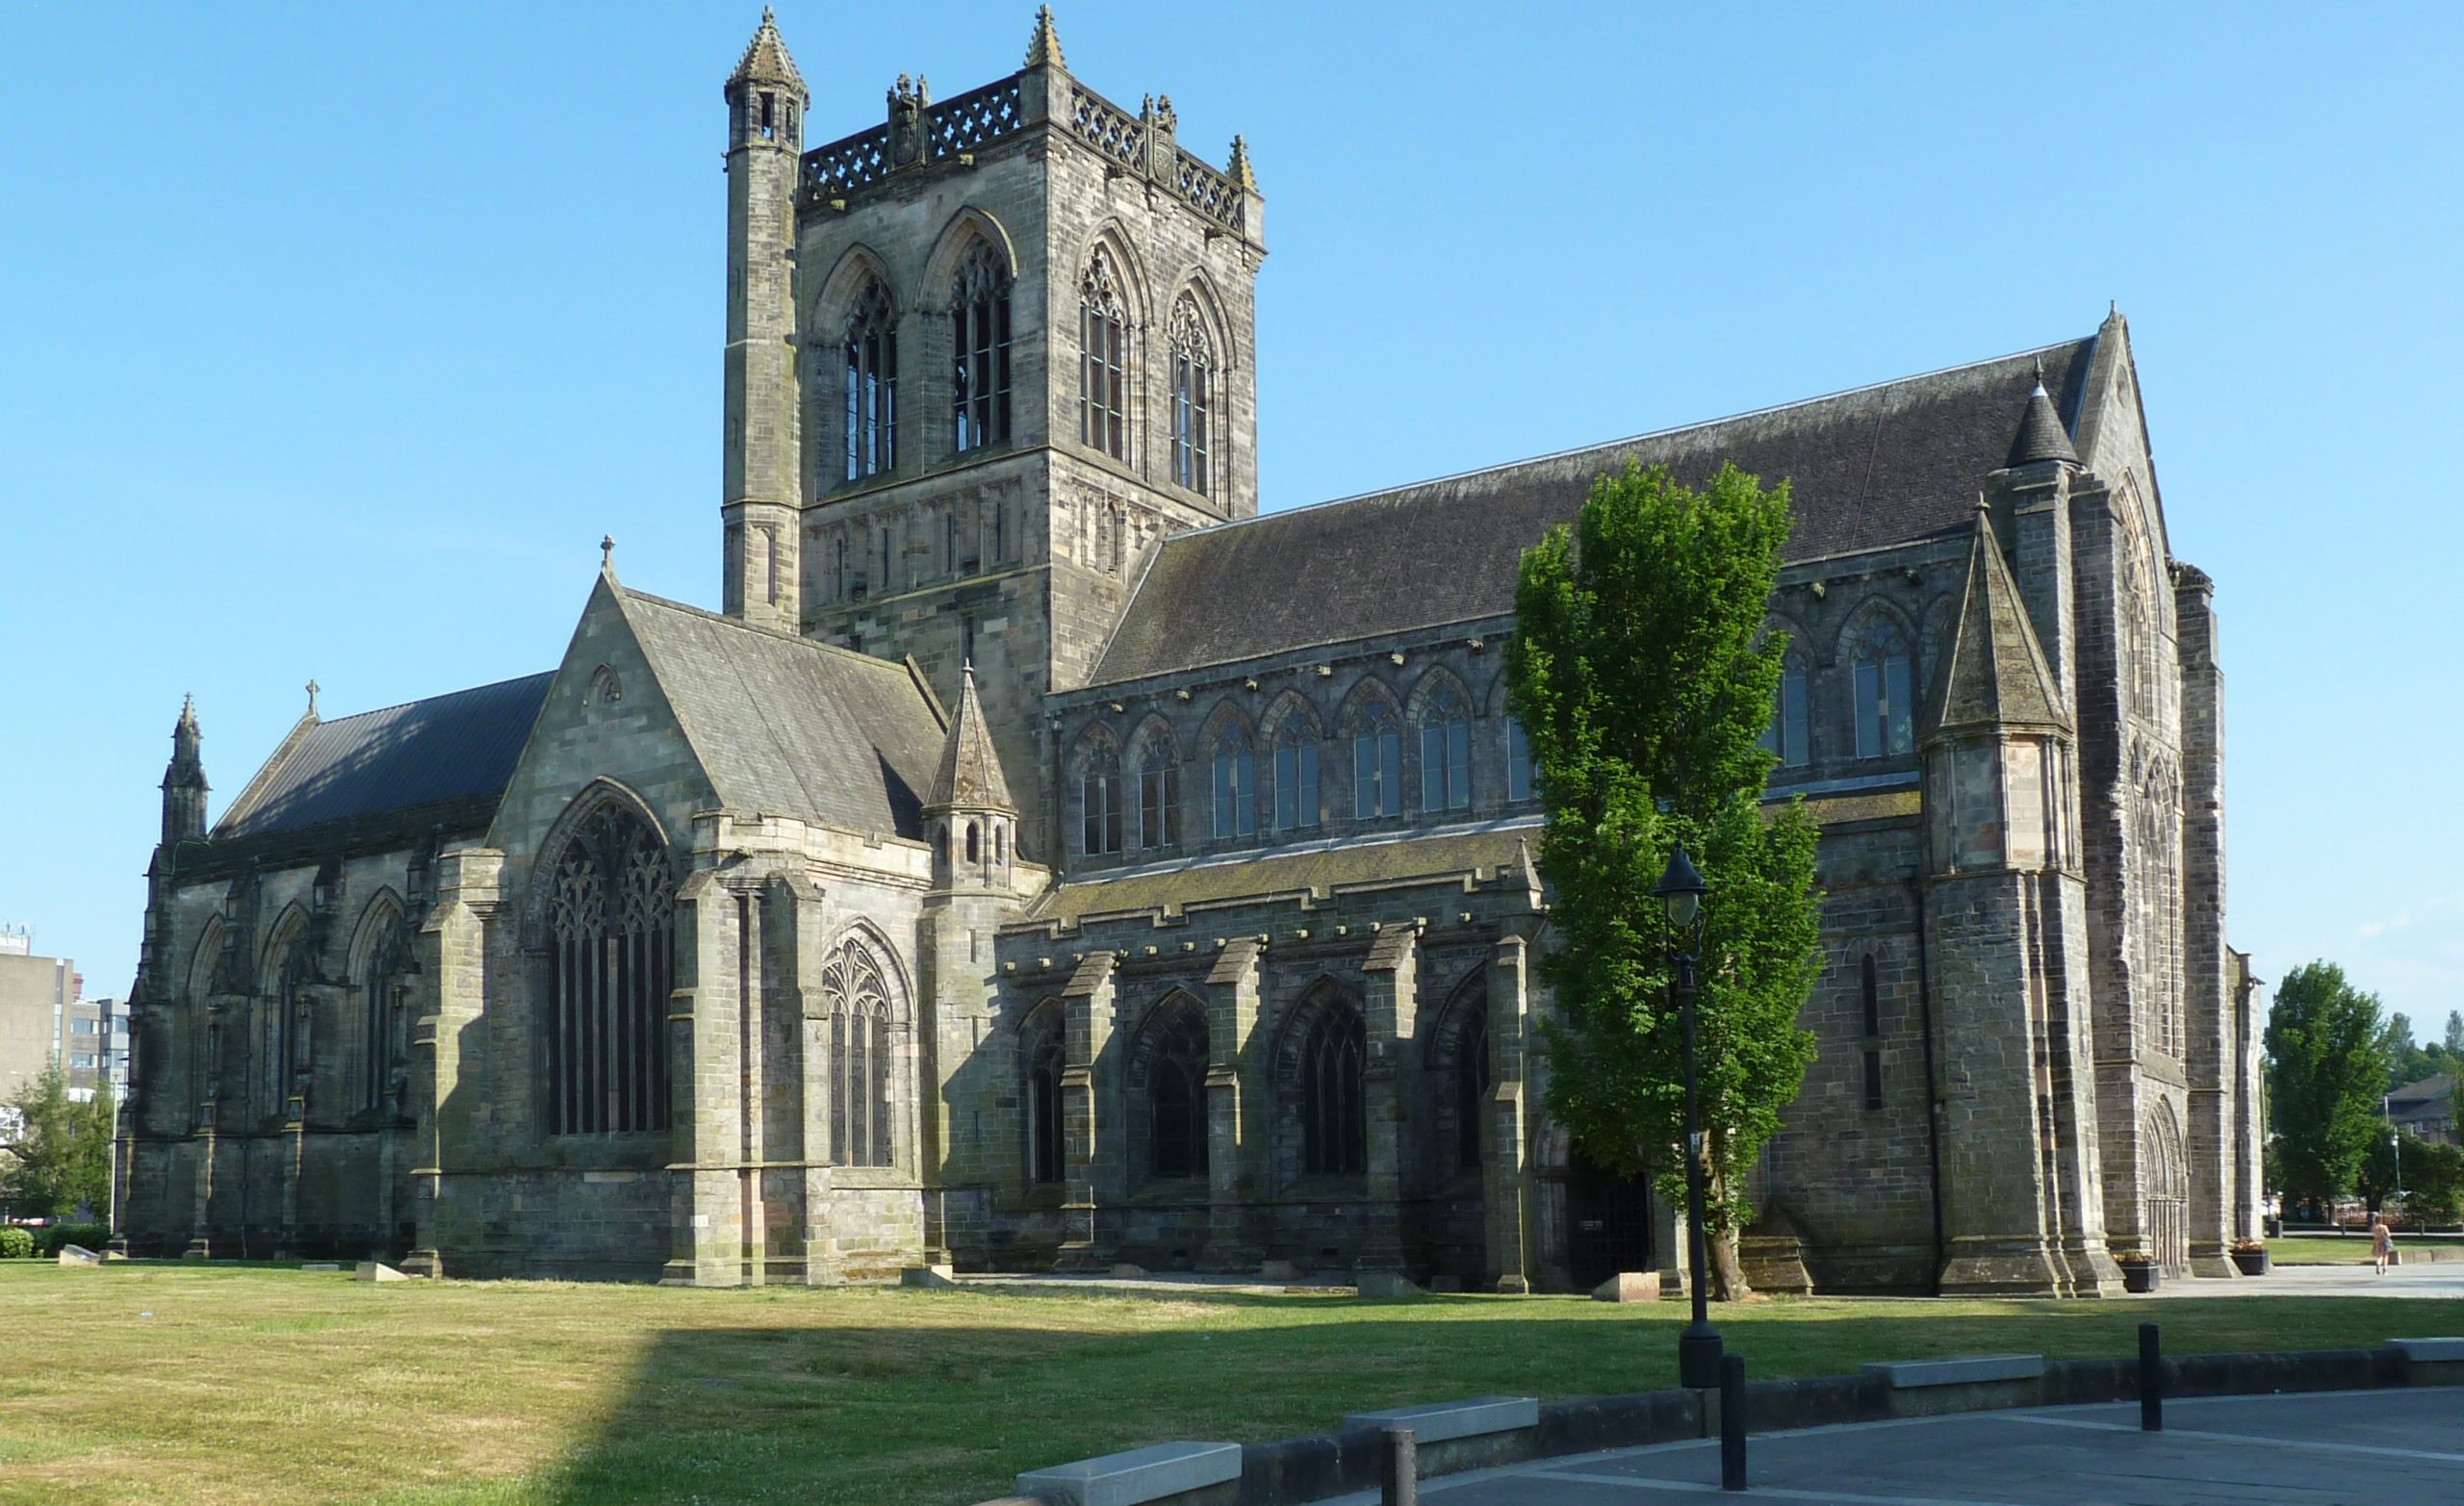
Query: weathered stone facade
[[1047, 859]]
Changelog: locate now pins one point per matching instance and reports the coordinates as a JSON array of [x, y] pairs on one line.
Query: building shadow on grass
[[793, 1408]]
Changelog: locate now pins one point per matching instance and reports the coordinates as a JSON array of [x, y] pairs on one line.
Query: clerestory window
[[1377, 767], [1100, 803], [1295, 778], [1884, 691], [1192, 379], [1787, 737], [1445, 753], [1236, 810]]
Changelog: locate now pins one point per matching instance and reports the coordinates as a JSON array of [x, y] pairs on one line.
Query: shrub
[[92, 1236], [15, 1243]]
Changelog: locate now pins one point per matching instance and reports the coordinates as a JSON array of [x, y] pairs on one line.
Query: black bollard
[[2151, 1381], [1731, 1423], [1401, 1475]]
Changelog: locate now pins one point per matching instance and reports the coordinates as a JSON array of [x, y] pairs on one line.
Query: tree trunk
[[1719, 1241]]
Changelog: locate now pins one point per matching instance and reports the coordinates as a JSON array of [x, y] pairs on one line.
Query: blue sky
[[333, 338]]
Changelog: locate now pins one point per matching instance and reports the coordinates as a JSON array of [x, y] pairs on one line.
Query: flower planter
[[2141, 1278], [2250, 1262]]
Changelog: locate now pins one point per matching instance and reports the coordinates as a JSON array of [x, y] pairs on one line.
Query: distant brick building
[[1195, 926]]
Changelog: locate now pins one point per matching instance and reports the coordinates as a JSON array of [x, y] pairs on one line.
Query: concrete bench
[[1154, 1473], [1967, 1371], [2428, 1351], [1445, 1420]]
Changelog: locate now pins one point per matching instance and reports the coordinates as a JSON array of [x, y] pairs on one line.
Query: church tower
[[1023, 352], [766, 103]]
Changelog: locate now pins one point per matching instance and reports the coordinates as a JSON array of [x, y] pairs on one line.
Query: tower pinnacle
[[1043, 47], [765, 59]]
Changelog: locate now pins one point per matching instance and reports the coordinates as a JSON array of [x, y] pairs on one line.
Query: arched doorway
[[1609, 1223], [2164, 1193]]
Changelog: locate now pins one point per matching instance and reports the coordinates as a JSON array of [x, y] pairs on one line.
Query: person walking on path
[[2382, 1243]]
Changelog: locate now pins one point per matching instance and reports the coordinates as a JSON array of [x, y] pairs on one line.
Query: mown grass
[[2328, 1249], [158, 1383]]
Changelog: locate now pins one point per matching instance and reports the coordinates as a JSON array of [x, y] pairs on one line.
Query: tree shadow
[[947, 1408]]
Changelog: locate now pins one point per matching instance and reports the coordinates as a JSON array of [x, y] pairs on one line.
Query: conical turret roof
[[765, 59], [2041, 436], [969, 775], [1994, 672]]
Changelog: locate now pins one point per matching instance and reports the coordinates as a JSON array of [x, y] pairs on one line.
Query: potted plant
[[2139, 1271], [2251, 1257]]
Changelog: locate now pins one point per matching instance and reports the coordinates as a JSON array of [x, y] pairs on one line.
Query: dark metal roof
[[456, 747], [1868, 468]]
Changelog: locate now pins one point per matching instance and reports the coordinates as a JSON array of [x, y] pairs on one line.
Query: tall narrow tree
[[1644, 680]]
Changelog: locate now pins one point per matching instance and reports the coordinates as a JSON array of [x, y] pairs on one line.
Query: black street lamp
[[1698, 1349]]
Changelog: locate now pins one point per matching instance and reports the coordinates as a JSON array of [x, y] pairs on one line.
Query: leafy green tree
[[2454, 1041], [61, 1149], [1643, 680], [2327, 1074]]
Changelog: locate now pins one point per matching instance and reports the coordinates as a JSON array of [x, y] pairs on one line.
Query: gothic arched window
[[1100, 803], [1103, 343], [1334, 1115], [863, 1057], [384, 983], [1041, 1051], [1473, 1082], [1193, 380], [1159, 791], [1786, 736], [1446, 751], [1236, 808], [610, 966], [1377, 766], [283, 1053], [1518, 761], [1296, 777], [980, 320], [1885, 697], [872, 385], [1169, 1079]]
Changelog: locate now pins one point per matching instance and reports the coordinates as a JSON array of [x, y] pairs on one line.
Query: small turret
[[766, 94], [184, 786], [973, 822], [2041, 436]]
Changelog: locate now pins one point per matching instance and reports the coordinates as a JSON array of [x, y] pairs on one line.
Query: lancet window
[[1884, 691], [871, 350], [610, 933], [1334, 1117], [1193, 396], [1236, 808], [980, 319], [1158, 792], [385, 983], [1445, 753], [1518, 761], [1377, 766], [1103, 343], [1171, 1060], [1042, 1054], [1787, 737], [282, 1055], [1296, 777], [1101, 800]]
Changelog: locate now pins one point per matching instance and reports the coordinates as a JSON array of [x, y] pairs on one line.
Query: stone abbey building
[[1193, 925]]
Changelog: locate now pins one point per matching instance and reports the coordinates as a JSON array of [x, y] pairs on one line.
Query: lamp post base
[[1697, 1358]]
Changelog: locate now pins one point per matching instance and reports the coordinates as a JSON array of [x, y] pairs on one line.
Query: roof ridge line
[[421, 700], [1629, 439], [779, 633]]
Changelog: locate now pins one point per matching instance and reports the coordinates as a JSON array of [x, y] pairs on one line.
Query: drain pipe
[[1933, 1092]]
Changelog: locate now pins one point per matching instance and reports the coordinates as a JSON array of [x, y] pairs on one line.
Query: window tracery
[[1103, 343], [1159, 791], [1788, 737], [979, 303], [1169, 1070], [1236, 811], [871, 360], [1334, 1117], [1446, 751], [1885, 689], [610, 933], [1193, 396], [1100, 801], [863, 1057], [1376, 765], [385, 984]]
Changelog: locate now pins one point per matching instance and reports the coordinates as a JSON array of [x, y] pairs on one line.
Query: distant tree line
[[2333, 1057]]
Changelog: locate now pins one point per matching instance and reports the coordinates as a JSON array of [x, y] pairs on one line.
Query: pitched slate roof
[[969, 774], [1870, 468], [452, 751], [1995, 672], [785, 725]]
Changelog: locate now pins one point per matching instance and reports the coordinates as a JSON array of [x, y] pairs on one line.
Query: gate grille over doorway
[[1609, 1223]]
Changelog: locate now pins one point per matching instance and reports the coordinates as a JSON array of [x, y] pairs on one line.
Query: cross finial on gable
[[607, 552], [312, 698]]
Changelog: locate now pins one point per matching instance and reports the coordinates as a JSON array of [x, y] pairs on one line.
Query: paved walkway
[[2441, 1279], [2382, 1448]]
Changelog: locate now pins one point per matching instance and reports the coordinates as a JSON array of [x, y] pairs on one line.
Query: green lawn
[[169, 1383], [2327, 1249]]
